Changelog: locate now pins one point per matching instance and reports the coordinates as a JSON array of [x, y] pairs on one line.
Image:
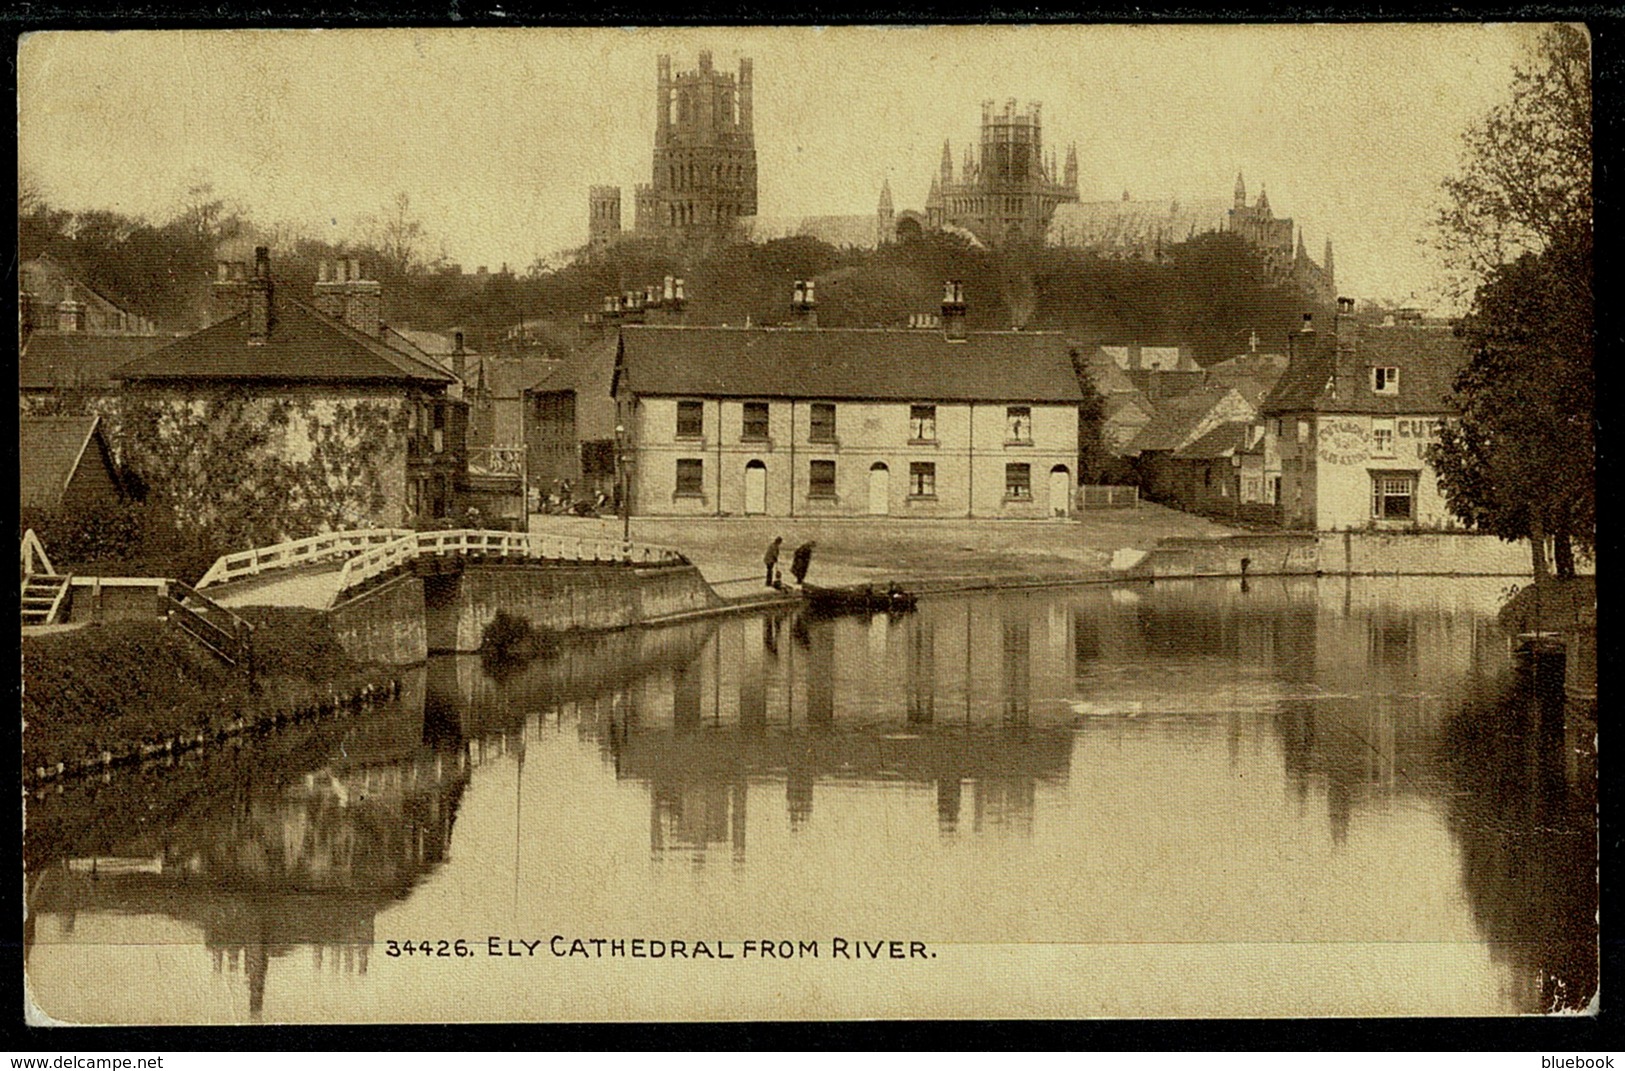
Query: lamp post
[[620, 476]]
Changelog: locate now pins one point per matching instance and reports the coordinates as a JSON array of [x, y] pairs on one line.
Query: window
[[821, 479], [1018, 424], [755, 420], [821, 426], [1303, 431], [922, 423], [1018, 481], [691, 420], [1278, 429], [1382, 437], [1393, 496], [690, 476], [1385, 380], [922, 479]]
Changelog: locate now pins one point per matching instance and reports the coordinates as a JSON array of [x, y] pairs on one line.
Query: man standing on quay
[[802, 559], [771, 559]]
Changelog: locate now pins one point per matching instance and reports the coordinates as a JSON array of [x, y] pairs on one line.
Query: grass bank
[[107, 692]]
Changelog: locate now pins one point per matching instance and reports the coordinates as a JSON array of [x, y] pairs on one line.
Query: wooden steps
[[43, 596]]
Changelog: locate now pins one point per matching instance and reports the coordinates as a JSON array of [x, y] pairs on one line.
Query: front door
[[755, 487], [1060, 491], [879, 490]]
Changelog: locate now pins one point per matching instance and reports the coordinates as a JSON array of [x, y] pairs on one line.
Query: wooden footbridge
[[321, 571]]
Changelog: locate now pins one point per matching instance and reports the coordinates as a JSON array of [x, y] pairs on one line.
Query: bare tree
[[1526, 182]]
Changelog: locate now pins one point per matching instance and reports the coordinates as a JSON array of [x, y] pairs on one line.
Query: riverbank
[[104, 694], [937, 555]]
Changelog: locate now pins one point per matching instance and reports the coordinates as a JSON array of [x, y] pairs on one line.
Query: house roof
[[1223, 441], [1175, 421], [1327, 381], [876, 364], [52, 449], [50, 360], [304, 345], [1116, 403], [1109, 378]]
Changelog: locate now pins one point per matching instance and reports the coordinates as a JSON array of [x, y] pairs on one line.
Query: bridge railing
[[386, 557], [298, 552]]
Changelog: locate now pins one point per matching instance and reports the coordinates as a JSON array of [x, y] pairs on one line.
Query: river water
[[1309, 797]]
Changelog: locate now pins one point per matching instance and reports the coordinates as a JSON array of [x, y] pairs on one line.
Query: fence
[[230, 637], [1108, 496]]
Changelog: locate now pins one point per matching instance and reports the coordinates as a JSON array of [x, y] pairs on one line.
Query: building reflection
[[296, 840]]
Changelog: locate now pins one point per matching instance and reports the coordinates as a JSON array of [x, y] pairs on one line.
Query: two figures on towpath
[[799, 561]]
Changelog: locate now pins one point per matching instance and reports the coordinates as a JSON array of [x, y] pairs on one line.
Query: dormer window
[[1385, 380]]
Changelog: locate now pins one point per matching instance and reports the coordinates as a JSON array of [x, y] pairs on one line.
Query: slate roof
[[304, 346], [1175, 420], [1109, 378], [1223, 441], [51, 449], [1116, 403], [870, 364], [1428, 359], [50, 360]]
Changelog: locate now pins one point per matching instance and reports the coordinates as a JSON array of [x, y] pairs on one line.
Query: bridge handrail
[[34, 560], [380, 559], [296, 552]]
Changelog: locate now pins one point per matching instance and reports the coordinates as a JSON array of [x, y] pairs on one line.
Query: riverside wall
[[1337, 554], [408, 618]]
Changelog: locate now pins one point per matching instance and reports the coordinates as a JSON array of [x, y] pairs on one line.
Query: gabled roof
[[1176, 420], [1109, 378], [1327, 381], [871, 364], [50, 360], [51, 450], [1117, 403], [1223, 441], [304, 346]]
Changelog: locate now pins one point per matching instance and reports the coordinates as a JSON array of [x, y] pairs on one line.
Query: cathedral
[[1007, 190], [1273, 238], [703, 175]]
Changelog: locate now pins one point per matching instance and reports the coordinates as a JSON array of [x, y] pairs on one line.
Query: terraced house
[[808, 421]]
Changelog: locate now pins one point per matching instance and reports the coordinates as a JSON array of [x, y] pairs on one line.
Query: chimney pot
[[1308, 322], [680, 288], [355, 270]]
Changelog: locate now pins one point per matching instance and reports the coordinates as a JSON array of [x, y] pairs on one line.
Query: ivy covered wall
[[258, 466]]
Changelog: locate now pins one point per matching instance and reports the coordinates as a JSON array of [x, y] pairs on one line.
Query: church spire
[[1241, 191], [947, 164], [1071, 179], [885, 196], [1263, 201], [1331, 277]]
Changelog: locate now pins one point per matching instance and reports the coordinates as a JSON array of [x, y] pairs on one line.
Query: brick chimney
[[70, 314], [953, 310], [668, 304], [343, 294], [632, 307], [261, 314], [804, 304], [1300, 344]]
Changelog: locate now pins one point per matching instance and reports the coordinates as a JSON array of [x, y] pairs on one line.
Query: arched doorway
[[755, 487], [1060, 491], [879, 489]]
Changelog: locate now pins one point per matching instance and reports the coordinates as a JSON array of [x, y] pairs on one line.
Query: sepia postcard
[[791, 523]]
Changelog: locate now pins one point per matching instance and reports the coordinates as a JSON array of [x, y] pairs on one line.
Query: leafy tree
[[1521, 463]]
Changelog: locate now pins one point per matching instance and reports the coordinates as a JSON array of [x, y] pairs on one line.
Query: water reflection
[[1366, 737]]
